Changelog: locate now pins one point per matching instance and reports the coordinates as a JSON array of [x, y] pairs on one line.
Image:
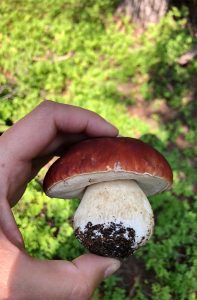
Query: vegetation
[[82, 54]]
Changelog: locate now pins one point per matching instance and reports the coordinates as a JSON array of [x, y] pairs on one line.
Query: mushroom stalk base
[[114, 218]]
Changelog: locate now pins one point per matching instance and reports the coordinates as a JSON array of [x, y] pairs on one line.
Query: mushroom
[[112, 176]]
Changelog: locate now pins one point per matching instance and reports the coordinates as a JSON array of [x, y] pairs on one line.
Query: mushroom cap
[[106, 159]]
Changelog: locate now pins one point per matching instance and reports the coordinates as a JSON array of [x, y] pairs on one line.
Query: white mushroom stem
[[120, 202]]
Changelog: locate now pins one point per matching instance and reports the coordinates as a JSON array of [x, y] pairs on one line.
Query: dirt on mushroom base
[[114, 240]]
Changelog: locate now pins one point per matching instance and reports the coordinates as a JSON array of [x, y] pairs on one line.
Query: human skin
[[24, 149]]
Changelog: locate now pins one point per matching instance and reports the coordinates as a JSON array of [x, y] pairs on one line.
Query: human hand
[[24, 149]]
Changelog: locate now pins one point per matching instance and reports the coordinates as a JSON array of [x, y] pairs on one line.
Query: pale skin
[[24, 149]]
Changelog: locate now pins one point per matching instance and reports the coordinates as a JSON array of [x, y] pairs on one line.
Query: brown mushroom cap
[[106, 159]]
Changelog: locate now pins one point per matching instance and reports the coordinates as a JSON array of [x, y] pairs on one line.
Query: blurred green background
[[82, 53]]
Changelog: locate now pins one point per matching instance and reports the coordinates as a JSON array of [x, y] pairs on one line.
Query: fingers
[[41, 134], [61, 141], [34, 133]]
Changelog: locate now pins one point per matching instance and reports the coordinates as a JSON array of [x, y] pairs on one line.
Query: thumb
[[95, 268], [51, 280]]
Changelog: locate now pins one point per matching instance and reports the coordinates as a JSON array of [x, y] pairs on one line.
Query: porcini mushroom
[[112, 177]]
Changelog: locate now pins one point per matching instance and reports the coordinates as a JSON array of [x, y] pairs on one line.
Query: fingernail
[[112, 268]]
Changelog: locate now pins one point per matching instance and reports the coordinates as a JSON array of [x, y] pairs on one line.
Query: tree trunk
[[144, 11]]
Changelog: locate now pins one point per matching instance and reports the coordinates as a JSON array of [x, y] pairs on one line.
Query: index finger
[[32, 134]]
